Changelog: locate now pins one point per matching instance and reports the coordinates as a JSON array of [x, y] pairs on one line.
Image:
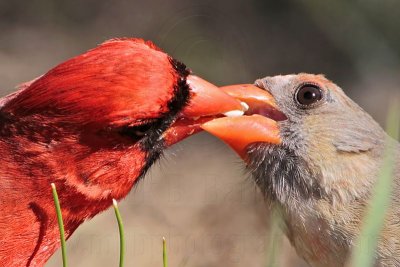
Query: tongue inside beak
[[259, 124]]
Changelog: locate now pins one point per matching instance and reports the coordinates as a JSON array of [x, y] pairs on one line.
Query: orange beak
[[207, 102], [259, 124], [240, 115]]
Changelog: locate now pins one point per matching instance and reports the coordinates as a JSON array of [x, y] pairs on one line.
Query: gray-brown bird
[[315, 155]]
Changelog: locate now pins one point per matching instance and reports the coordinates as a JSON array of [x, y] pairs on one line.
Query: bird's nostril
[[265, 83]]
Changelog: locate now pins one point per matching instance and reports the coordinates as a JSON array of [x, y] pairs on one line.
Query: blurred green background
[[199, 196]]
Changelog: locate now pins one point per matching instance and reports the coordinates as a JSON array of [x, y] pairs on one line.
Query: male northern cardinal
[[315, 155], [93, 125]]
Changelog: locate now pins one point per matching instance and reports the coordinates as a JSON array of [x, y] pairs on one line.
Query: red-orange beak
[[259, 124], [207, 102], [238, 114]]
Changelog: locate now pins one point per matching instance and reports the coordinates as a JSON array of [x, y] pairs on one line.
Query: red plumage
[[71, 126], [92, 125], [97, 87]]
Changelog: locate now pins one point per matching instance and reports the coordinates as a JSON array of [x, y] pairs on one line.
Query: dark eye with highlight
[[308, 94]]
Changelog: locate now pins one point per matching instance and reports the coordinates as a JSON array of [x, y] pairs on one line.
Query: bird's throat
[[282, 175]]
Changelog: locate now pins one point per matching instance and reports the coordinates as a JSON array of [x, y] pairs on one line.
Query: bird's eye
[[139, 131], [308, 94]]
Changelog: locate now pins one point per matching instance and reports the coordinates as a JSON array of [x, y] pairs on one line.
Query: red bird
[[93, 125]]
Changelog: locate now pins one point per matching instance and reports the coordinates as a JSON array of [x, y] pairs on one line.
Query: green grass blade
[[275, 239], [60, 224], [121, 234], [165, 259], [364, 251]]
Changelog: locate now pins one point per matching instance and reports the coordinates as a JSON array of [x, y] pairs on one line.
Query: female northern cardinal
[[316, 155], [93, 125]]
